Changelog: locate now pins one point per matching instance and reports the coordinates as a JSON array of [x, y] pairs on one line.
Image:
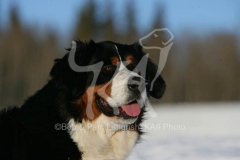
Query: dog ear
[[155, 86], [156, 90], [66, 78]]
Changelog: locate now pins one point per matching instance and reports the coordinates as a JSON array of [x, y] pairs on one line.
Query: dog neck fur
[[102, 139]]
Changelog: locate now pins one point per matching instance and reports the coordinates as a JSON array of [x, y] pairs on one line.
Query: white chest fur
[[102, 142]]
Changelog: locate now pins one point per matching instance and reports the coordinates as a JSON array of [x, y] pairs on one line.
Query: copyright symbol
[[57, 126]]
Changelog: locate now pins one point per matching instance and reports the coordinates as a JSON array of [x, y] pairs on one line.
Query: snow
[[191, 132]]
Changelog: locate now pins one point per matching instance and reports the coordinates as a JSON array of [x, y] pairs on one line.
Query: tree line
[[199, 69]]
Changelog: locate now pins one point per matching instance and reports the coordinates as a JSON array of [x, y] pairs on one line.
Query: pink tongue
[[132, 109]]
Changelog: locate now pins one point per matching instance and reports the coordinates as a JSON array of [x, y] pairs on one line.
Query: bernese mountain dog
[[91, 108]]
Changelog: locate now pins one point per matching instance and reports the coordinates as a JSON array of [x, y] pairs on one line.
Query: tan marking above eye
[[130, 59], [114, 61]]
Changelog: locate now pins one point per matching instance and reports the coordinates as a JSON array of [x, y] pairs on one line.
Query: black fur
[[28, 132]]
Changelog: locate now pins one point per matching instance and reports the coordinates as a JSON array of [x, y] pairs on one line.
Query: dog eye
[[108, 68], [132, 67]]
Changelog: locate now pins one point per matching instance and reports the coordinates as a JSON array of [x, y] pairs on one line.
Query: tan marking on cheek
[[105, 90], [114, 61], [130, 59], [83, 101]]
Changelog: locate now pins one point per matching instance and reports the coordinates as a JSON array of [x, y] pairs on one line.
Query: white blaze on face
[[120, 92]]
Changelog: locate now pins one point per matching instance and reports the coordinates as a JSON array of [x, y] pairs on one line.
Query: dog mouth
[[126, 111]]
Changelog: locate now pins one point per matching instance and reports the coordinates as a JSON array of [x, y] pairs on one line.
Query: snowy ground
[[191, 132]]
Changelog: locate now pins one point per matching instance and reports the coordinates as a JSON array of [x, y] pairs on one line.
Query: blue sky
[[198, 16]]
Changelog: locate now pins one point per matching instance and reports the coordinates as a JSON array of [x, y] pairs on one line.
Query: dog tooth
[[115, 111]]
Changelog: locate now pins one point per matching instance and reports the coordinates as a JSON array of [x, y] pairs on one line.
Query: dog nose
[[134, 85], [137, 79]]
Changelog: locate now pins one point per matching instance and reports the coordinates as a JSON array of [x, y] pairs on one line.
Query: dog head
[[114, 90]]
